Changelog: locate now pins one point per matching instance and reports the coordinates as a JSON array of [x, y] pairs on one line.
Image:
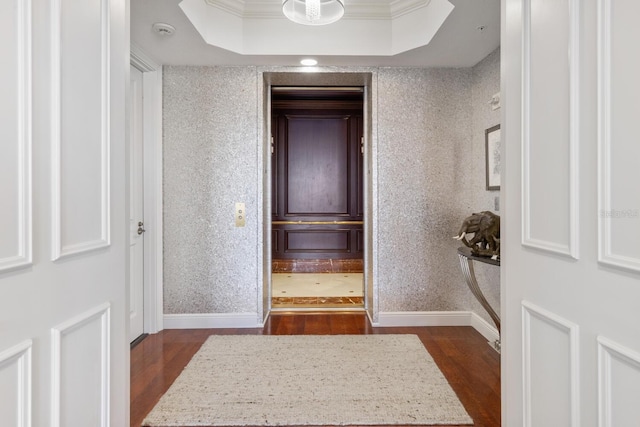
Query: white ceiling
[[458, 43]]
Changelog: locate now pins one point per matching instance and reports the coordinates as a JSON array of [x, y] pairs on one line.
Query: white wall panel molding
[[619, 376], [550, 362], [548, 213], [142, 61], [15, 133], [81, 344], [618, 174], [16, 361], [80, 104]]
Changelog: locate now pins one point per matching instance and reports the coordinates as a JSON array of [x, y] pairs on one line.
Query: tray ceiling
[[424, 33]]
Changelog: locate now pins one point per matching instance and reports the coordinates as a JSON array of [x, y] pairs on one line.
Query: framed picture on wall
[[492, 146]]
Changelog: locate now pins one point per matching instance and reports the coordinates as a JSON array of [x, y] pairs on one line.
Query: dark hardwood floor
[[470, 365]]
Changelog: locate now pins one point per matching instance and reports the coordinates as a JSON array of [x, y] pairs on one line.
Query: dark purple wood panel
[[317, 175], [317, 240], [317, 166], [302, 241]]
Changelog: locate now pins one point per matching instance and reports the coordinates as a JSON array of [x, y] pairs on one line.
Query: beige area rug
[[257, 380]]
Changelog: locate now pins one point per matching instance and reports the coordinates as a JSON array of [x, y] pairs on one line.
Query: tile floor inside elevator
[[317, 291]]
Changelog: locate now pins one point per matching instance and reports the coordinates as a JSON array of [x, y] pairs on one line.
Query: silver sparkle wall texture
[[430, 175], [486, 83], [210, 153]]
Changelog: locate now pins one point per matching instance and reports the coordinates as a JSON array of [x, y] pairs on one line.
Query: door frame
[[136, 205], [367, 78], [152, 188]]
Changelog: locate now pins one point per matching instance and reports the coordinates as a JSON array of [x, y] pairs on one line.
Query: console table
[[466, 264]]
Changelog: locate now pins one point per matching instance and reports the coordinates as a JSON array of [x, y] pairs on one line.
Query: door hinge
[[273, 147], [362, 145]]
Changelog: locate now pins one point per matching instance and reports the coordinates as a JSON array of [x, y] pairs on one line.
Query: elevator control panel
[[240, 215]]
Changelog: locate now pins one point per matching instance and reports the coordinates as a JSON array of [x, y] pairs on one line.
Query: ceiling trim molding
[[234, 7], [242, 27], [402, 7], [356, 9]]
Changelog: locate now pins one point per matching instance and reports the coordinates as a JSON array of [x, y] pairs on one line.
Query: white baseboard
[[484, 328], [211, 320], [423, 318], [438, 318], [386, 319]]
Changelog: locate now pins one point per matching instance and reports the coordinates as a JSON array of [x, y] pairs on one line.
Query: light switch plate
[[240, 215]]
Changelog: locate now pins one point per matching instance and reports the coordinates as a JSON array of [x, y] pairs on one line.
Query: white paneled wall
[[15, 135], [81, 158], [618, 106], [550, 343], [619, 384], [80, 386], [550, 132], [15, 385], [570, 282], [63, 322]]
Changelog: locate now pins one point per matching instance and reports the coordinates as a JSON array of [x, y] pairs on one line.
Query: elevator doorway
[[317, 197]]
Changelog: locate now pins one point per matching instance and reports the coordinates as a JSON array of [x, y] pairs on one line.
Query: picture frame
[[492, 157]]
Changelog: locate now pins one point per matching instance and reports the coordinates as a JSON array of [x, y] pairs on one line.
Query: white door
[[570, 246], [136, 211], [63, 240]]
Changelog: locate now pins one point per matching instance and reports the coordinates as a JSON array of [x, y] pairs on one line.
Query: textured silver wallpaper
[[424, 131], [428, 174], [210, 157], [486, 82]]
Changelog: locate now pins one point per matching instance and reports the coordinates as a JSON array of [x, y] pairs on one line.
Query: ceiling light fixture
[[309, 62], [313, 12]]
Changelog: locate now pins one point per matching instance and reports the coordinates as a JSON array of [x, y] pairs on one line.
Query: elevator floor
[[317, 291]]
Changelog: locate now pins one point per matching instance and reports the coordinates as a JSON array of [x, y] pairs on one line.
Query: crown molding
[[258, 27], [402, 7], [234, 7], [355, 9]]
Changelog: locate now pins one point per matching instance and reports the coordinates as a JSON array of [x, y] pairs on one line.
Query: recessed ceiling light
[[309, 62]]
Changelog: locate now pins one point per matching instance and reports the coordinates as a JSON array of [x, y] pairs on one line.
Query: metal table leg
[[468, 271]]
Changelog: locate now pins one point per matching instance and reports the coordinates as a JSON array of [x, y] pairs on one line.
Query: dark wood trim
[[309, 241], [313, 104]]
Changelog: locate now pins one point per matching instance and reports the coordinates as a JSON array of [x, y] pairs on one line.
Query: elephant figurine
[[485, 227]]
